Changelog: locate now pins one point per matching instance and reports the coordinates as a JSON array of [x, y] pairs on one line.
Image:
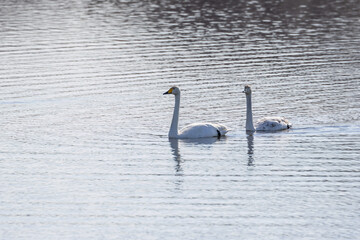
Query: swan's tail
[[222, 129]]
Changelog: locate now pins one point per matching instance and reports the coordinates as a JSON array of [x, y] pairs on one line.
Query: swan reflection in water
[[174, 144], [250, 152]]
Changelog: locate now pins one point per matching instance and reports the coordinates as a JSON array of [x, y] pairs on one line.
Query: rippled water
[[84, 152]]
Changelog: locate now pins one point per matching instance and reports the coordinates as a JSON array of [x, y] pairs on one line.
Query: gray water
[[84, 152]]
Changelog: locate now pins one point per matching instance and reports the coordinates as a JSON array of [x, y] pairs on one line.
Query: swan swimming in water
[[264, 124], [195, 130]]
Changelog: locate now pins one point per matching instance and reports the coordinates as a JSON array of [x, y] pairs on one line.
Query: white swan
[[264, 124], [195, 130]]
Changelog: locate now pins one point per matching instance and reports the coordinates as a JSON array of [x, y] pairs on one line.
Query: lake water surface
[[84, 152]]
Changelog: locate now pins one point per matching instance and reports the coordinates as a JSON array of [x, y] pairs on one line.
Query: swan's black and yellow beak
[[169, 91]]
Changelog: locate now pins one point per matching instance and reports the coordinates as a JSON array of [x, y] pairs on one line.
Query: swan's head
[[247, 90], [173, 90]]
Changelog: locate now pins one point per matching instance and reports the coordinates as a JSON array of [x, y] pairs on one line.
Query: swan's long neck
[[175, 120], [249, 118]]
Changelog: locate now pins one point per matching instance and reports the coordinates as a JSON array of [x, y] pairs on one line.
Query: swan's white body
[[195, 130], [264, 124], [272, 124], [201, 130]]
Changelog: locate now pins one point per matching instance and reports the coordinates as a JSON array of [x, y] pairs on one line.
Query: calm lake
[[84, 152]]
